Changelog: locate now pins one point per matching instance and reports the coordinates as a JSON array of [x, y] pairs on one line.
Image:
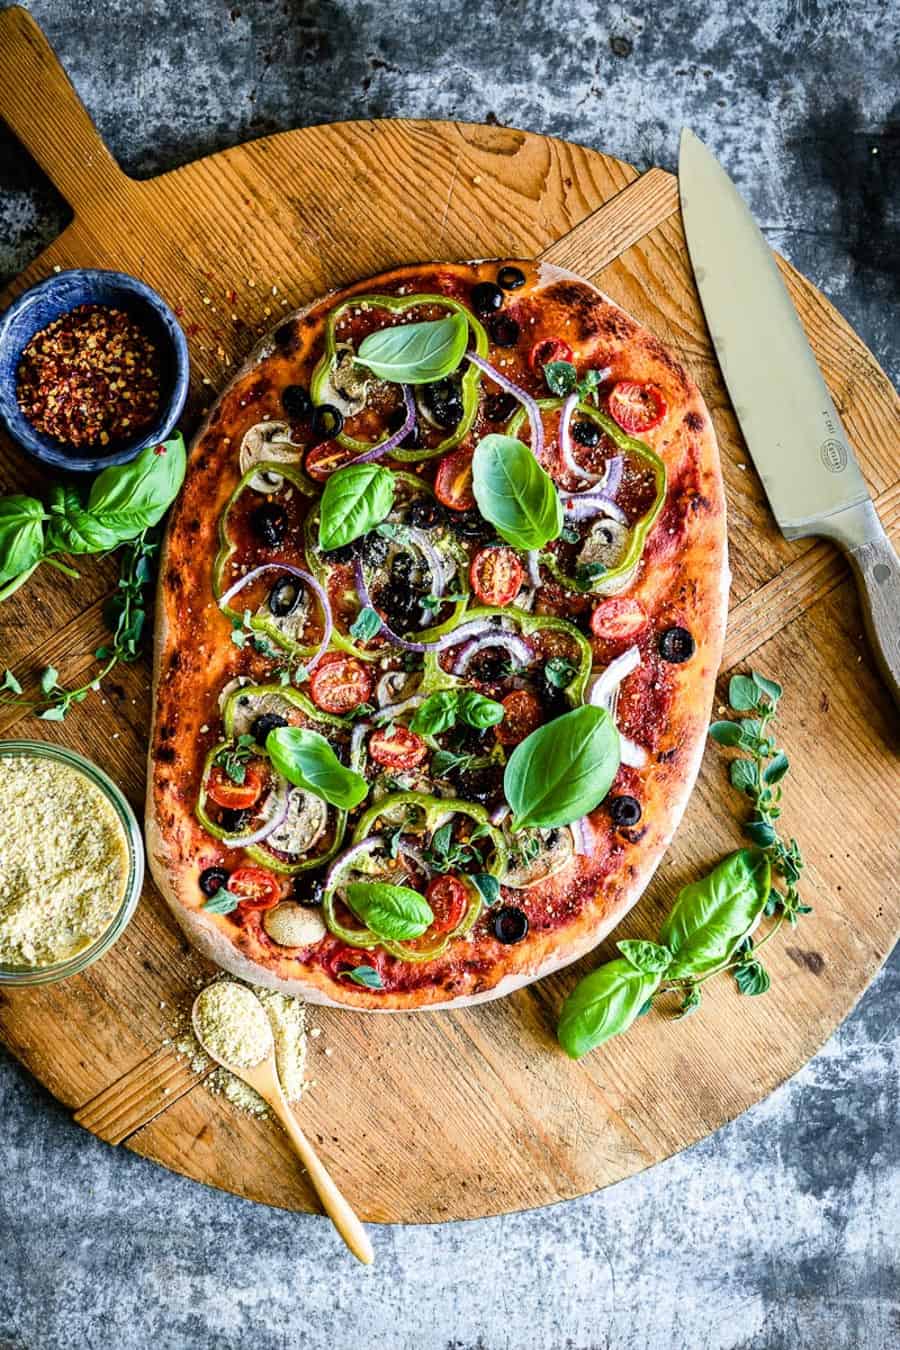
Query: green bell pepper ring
[[469, 385], [435, 677], [227, 549], [614, 579], [432, 811]]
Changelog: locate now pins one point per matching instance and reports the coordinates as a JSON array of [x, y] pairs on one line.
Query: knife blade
[[793, 432]]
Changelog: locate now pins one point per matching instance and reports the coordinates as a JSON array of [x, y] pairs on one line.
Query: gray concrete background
[[780, 1230]]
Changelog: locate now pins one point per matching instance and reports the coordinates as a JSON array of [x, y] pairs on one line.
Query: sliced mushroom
[[237, 683], [251, 705], [279, 613], [606, 543], [556, 849], [271, 442], [303, 826], [347, 385], [293, 925]]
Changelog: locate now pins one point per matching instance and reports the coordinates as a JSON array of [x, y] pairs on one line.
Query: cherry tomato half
[[257, 887], [345, 958], [234, 796], [399, 748], [522, 714], [449, 900], [339, 684], [496, 575], [549, 349], [636, 407], [618, 620], [453, 484], [324, 459]]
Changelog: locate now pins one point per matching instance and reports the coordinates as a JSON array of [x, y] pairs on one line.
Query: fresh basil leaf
[[776, 768], [223, 902], [10, 682], [442, 839], [712, 915], [589, 383], [563, 769], [744, 775], [726, 733], [603, 1004], [648, 957], [751, 975], [514, 493], [743, 693], [21, 535], [437, 714], [770, 687], [393, 912], [366, 624], [416, 353], [367, 976], [561, 377], [560, 672], [306, 759], [129, 498], [74, 529], [488, 886], [477, 710], [355, 500]]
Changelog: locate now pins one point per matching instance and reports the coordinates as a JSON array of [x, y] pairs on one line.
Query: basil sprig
[[563, 770], [441, 710], [397, 913], [355, 500], [514, 493], [604, 1004], [416, 353], [306, 759]]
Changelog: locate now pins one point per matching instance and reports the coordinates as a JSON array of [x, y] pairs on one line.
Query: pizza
[[441, 606]]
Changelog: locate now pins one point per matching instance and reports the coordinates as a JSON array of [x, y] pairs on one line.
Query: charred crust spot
[[201, 463], [193, 526], [693, 420], [655, 349], [173, 579], [166, 733], [666, 756], [215, 416], [634, 836], [286, 337], [175, 661], [166, 754], [811, 961], [699, 503]]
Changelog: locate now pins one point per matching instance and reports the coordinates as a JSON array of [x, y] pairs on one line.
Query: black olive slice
[[504, 331], [471, 524], [585, 432], [212, 879], [510, 925], [296, 402], [499, 407], [285, 596], [233, 822], [308, 892], [270, 522], [676, 645], [266, 722], [486, 297], [444, 403], [427, 514], [327, 421], [625, 810], [510, 278]]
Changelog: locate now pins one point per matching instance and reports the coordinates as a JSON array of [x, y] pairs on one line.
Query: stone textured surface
[[782, 1229]]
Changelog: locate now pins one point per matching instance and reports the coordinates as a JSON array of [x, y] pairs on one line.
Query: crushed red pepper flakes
[[90, 378]]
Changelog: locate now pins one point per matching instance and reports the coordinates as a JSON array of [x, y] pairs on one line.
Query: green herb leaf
[[55, 713], [49, 677], [129, 498], [444, 762], [233, 757], [437, 714], [355, 500], [770, 687], [416, 353], [514, 493], [366, 624], [648, 957], [776, 769], [367, 976], [306, 759], [21, 535], [563, 769], [751, 975], [560, 672], [743, 693], [603, 1004], [726, 733], [561, 377], [761, 832], [223, 902], [393, 912], [744, 775], [488, 886], [477, 710], [10, 682], [712, 915], [691, 1001]]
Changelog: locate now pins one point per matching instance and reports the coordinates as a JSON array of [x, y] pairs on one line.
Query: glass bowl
[[22, 976]]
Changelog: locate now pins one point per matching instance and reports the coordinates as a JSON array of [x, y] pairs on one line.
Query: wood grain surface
[[427, 1117]]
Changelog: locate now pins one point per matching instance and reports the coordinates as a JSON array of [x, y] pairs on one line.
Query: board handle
[[40, 105]]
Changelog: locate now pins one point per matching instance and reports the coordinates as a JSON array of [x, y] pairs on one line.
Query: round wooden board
[[457, 1115]]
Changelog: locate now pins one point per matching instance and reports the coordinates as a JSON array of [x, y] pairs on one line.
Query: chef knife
[[792, 430]]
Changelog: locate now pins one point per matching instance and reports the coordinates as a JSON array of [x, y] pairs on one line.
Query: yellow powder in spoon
[[233, 1025]]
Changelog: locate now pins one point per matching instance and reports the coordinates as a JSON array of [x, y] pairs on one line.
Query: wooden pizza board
[[427, 1117]]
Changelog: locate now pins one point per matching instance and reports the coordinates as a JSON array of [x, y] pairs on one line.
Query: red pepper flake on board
[[90, 378]]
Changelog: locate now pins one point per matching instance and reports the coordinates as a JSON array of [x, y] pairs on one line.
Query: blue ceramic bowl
[[50, 299]]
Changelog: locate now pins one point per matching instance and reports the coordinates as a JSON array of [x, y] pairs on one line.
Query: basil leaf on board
[[712, 915], [366, 624], [393, 912], [72, 528], [561, 377], [437, 713], [306, 759], [477, 710], [602, 1005], [355, 500], [648, 957], [416, 353], [367, 976], [562, 770], [514, 493], [21, 535], [128, 498], [488, 886]]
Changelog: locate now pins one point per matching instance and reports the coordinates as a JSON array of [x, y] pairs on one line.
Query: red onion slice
[[582, 837], [385, 447], [586, 505], [338, 866], [419, 539], [310, 581], [278, 817], [532, 559], [516, 647], [603, 692], [528, 403], [499, 813], [566, 449]]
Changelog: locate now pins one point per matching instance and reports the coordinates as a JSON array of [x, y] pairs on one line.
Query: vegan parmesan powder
[[64, 862], [232, 1024]]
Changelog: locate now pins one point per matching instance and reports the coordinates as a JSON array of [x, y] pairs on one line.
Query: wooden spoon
[[263, 1078]]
